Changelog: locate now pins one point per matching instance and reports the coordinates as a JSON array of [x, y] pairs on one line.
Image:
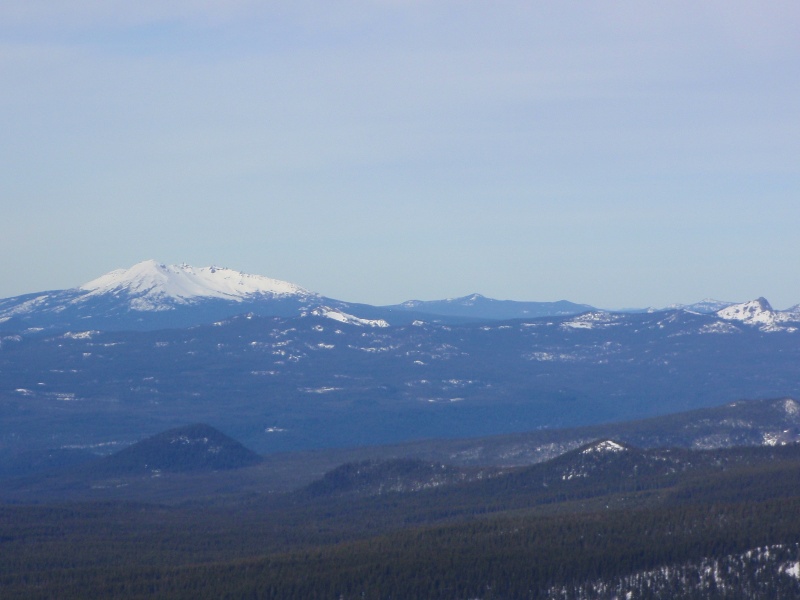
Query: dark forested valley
[[603, 520]]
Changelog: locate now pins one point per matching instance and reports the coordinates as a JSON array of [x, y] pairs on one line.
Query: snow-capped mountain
[[760, 313], [152, 286], [151, 295]]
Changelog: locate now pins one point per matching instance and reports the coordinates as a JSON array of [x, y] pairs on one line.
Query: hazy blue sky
[[614, 153]]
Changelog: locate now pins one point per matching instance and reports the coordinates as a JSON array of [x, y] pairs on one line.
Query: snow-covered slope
[[603, 446], [760, 313], [757, 311], [151, 295], [154, 286], [343, 317]]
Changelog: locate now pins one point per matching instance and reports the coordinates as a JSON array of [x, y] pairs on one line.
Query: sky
[[620, 154]]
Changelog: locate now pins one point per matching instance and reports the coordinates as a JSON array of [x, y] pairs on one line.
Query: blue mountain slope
[[480, 307]]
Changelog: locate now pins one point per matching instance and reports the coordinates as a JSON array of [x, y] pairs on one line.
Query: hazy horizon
[[618, 155]]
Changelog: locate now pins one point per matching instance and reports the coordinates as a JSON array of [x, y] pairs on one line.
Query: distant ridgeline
[[283, 368]]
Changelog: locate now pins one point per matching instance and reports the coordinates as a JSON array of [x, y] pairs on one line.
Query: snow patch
[[342, 317], [719, 327], [590, 320], [793, 570], [27, 306], [549, 357], [604, 447], [80, 335], [792, 407]]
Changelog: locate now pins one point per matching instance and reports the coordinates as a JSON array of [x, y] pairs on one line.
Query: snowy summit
[[754, 312], [153, 283]]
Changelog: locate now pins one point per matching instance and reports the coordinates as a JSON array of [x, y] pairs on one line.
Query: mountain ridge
[[478, 306], [151, 295]]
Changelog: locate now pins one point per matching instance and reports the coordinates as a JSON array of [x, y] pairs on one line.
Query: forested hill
[[197, 447]]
